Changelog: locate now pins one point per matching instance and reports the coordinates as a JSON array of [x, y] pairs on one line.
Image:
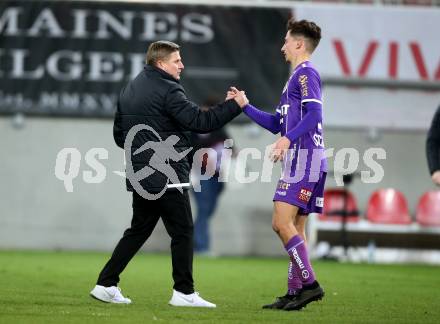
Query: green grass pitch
[[53, 287]]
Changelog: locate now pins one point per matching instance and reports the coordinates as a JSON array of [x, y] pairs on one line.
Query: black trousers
[[175, 210]]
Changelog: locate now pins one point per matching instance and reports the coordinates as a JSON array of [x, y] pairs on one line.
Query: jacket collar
[[150, 68]]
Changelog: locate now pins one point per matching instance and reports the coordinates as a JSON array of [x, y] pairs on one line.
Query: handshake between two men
[[238, 96], [281, 146]]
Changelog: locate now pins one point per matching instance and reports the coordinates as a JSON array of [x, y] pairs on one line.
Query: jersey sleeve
[[309, 83], [264, 119]]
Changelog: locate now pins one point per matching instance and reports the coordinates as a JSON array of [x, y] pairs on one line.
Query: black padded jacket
[[433, 144], [158, 101]]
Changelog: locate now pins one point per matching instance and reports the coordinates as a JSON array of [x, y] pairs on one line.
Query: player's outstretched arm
[[264, 119]]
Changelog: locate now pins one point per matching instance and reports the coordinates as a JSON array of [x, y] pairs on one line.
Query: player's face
[[172, 65], [292, 47]]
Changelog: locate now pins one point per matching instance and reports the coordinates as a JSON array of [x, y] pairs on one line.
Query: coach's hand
[[238, 96], [279, 149], [232, 93], [436, 177]]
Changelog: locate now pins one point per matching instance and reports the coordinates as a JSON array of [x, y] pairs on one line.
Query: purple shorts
[[307, 194]]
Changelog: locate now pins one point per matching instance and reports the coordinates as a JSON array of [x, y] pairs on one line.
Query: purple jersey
[[306, 152]]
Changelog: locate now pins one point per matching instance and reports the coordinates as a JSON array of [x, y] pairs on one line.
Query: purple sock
[[298, 253], [294, 283]]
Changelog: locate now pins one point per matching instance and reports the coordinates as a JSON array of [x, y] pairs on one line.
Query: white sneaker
[[191, 300], [109, 295]]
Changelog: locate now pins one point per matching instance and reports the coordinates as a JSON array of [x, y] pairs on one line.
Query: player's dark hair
[[308, 29], [160, 50]]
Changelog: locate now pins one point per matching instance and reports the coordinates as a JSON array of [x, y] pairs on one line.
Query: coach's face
[[172, 65]]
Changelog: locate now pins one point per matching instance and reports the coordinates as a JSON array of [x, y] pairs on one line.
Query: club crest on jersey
[[305, 195], [303, 81]]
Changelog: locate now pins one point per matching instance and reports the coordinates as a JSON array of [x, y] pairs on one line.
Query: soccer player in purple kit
[[299, 192]]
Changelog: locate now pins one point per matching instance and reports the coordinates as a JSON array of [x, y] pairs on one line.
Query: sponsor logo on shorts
[[319, 202], [283, 185], [305, 195], [281, 193]]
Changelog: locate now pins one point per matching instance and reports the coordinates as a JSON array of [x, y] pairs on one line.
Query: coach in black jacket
[[153, 123], [433, 148]]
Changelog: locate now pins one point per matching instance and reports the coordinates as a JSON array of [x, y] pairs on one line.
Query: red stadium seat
[[388, 206], [334, 206], [428, 209]]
